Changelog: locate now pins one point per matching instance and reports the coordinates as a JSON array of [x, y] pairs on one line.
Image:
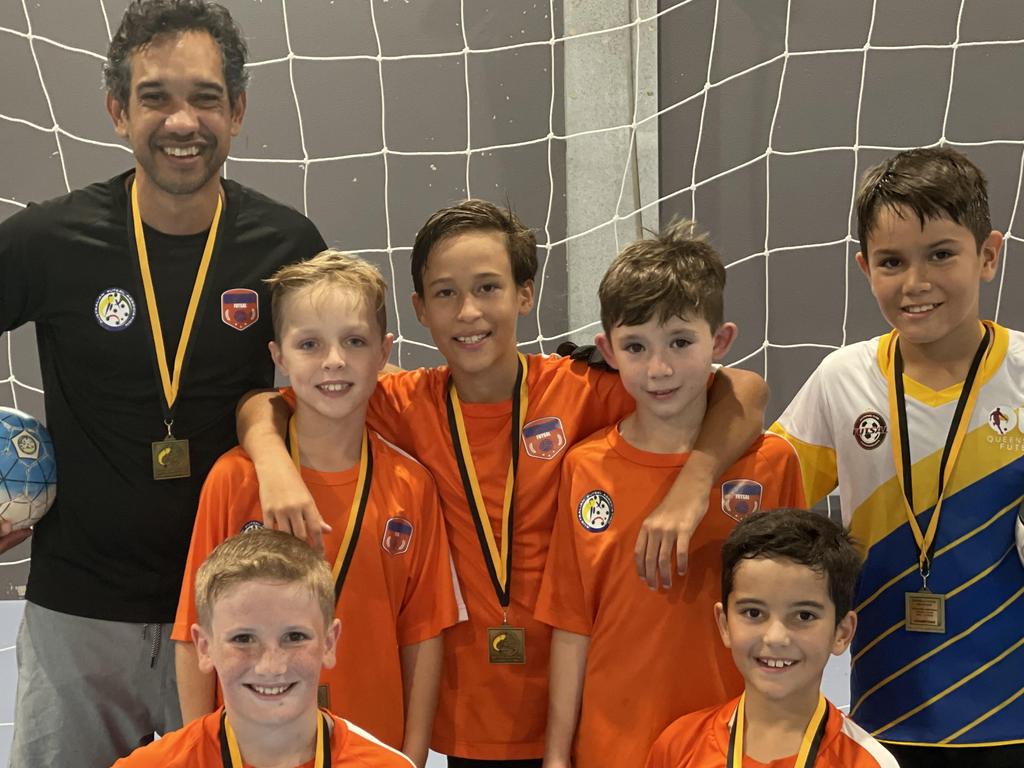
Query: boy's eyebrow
[[929, 246], [449, 279]]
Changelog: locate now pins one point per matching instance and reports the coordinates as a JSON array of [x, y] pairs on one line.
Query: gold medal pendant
[[170, 459], [926, 612], [506, 645]]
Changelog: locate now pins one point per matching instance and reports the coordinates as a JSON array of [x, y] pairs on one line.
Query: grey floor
[[836, 683]]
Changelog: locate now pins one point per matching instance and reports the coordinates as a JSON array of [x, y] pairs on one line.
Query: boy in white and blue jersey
[[928, 418]]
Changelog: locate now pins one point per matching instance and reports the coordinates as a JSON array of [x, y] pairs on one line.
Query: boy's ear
[[202, 643], [331, 644], [119, 114], [862, 262], [417, 305], [385, 350], [605, 345], [722, 622], [275, 355], [525, 293], [723, 339], [990, 255], [845, 630]]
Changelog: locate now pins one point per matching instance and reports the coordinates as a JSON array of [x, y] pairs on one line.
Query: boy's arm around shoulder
[[262, 422], [733, 421]]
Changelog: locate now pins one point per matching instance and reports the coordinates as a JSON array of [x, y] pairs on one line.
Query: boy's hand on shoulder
[[670, 525], [288, 506], [10, 538]]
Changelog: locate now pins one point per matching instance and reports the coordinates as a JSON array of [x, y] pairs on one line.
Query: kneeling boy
[[787, 587], [265, 603], [638, 658], [392, 567]]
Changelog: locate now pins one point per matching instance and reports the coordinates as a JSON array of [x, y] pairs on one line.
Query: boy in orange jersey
[[266, 625], [473, 266], [661, 309], [787, 588], [387, 541]]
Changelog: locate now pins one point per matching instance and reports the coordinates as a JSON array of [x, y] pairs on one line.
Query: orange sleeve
[[228, 492], [786, 466], [386, 411], [429, 604], [561, 601], [180, 749]]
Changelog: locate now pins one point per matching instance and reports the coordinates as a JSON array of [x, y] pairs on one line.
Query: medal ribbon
[[954, 441], [356, 514], [499, 563], [171, 382], [809, 744], [231, 755]]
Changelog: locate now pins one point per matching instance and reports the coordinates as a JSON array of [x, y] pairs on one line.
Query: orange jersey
[[497, 711], [198, 745], [653, 656], [398, 590], [701, 740]]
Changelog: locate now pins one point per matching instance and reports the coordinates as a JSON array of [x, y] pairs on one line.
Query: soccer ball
[[1019, 532], [28, 471]]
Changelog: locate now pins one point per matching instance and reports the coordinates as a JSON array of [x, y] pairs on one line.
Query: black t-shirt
[[114, 544]]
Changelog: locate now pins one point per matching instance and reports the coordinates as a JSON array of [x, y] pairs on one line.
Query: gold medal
[[170, 456], [506, 645], [170, 459], [926, 612]]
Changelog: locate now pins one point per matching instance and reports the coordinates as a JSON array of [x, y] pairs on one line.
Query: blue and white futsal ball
[[28, 471]]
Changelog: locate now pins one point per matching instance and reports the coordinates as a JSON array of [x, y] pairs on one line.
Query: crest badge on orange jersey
[[741, 498], [397, 536], [595, 511], [240, 307], [544, 438]]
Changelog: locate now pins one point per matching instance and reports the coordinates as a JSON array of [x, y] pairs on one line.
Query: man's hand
[[288, 506], [9, 538], [669, 525]]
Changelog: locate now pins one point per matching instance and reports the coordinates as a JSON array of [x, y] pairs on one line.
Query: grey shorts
[[90, 691]]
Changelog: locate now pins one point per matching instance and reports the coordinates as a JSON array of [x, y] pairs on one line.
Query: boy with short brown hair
[[920, 429], [626, 661]]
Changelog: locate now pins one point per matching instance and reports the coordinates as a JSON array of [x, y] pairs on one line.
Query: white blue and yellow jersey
[[965, 686]]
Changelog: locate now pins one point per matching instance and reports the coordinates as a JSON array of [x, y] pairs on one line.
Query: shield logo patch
[[240, 307], [397, 536], [544, 438], [741, 498]]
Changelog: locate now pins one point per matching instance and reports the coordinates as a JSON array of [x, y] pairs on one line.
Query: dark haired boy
[[143, 273], [492, 426], [615, 682], [921, 430], [787, 586]]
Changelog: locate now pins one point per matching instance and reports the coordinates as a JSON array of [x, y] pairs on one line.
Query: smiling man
[[152, 320]]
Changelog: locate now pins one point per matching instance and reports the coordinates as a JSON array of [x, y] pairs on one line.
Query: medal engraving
[[926, 612], [170, 459], [506, 645]]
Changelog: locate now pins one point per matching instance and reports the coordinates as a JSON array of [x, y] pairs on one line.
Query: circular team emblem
[[869, 430], [1002, 419], [115, 309], [595, 511]]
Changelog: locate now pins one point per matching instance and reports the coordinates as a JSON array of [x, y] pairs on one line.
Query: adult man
[[152, 321]]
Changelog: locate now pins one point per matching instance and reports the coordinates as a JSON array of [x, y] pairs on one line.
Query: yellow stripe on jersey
[[817, 466], [881, 513], [936, 397]]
